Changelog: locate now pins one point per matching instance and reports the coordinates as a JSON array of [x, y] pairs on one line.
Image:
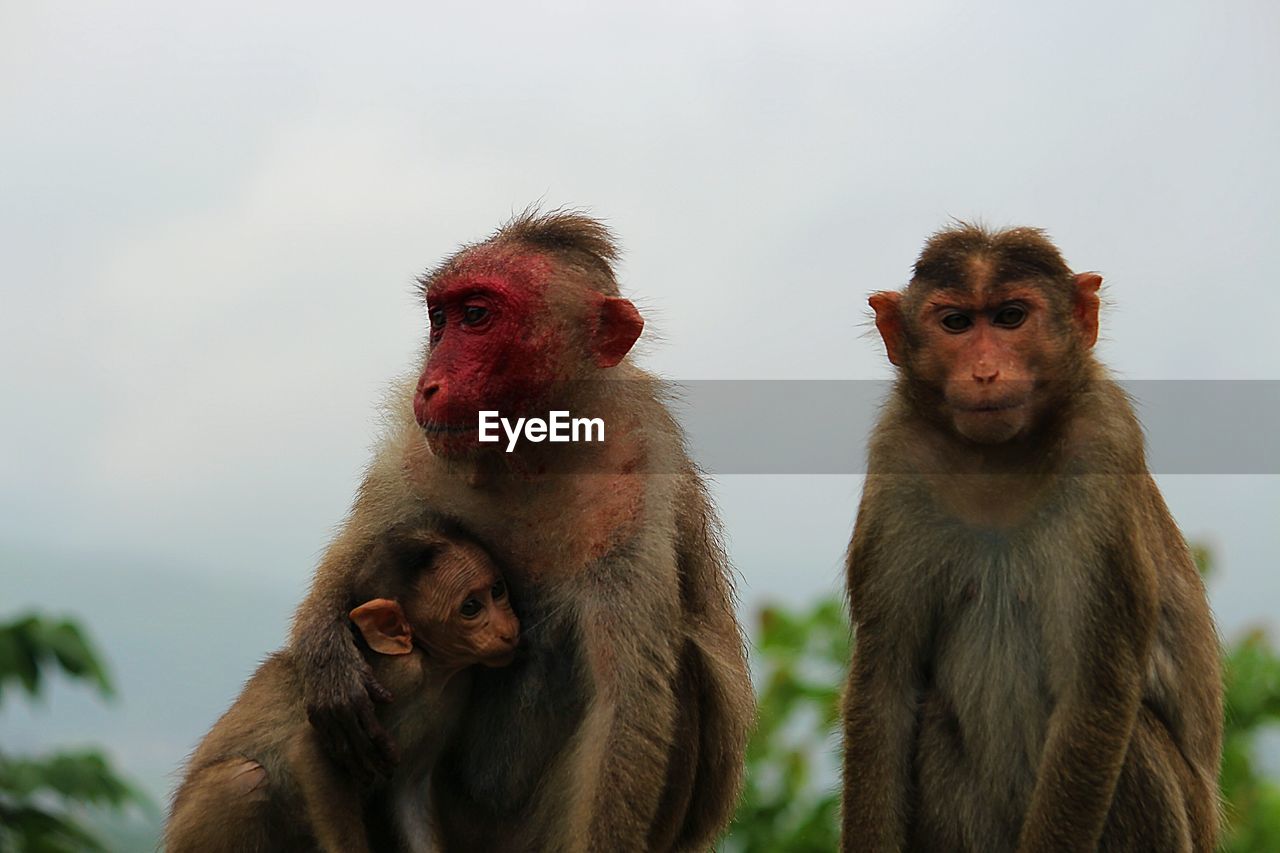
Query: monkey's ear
[[614, 329], [1086, 306], [888, 307], [383, 625]]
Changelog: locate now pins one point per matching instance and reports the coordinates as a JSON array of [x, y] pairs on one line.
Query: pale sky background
[[210, 221]]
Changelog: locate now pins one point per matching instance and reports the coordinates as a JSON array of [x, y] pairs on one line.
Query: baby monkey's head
[[445, 595]]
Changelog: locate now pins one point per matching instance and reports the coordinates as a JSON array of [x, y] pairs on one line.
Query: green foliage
[[1253, 702], [38, 796], [30, 644], [791, 802]]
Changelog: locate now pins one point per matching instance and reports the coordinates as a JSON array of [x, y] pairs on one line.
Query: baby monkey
[[261, 781]]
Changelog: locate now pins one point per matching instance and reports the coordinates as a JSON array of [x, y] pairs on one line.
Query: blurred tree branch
[[38, 795]]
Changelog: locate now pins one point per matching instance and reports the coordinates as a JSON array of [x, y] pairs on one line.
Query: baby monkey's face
[[460, 610]]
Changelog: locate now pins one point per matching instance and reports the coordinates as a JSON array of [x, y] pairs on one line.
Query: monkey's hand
[[340, 692]]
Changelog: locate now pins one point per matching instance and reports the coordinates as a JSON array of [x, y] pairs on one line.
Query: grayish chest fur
[[986, 698], [994, 663]]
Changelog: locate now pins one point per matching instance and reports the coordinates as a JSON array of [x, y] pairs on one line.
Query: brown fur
[[623, 727], [260, 781], [582, 246], [1036, 668]]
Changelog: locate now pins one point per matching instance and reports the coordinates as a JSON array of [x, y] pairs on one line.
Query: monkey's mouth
[[989, 408], [439, 428], [505, 659]]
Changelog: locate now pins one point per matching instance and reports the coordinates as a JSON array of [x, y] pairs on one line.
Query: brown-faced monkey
[[623, 725], [1036, 668], [260, 780]]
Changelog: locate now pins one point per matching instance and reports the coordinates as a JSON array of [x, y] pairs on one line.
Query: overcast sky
[[210, 222]]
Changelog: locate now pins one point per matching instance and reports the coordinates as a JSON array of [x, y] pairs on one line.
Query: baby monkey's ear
[[383, 625]]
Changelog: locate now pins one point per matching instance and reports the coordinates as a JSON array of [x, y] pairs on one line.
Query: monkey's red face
[[503, 333], [991, 355], [489, 349]]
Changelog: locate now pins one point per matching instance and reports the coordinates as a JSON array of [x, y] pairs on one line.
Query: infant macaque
[[260, 780]]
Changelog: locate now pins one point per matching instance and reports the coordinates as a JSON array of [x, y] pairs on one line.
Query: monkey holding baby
[[1036, 668], [623, 725], [260, 780]]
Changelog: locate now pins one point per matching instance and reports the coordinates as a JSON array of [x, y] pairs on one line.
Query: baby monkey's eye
[[471, 608], [499, 591]]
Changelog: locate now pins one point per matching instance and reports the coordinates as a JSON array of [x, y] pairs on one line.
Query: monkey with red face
[[623, 725], [1035, 668]]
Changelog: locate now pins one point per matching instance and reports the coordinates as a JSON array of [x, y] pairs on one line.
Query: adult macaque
[[1036, 668], [623, 726], [261, 781]]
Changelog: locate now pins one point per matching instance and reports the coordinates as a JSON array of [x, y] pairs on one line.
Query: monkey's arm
[[339, 688], [332, 800], [616, 773], [720, 682], [880, 702], [1091, 726]]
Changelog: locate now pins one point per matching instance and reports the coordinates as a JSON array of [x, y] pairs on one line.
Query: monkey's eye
[[437, 319], [474, 315], [956, 322], [471, 608], [499, 591], [1010, 316]]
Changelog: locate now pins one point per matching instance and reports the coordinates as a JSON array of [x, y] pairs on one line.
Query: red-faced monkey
[[623, 726], [1036, 668], [260, 781]]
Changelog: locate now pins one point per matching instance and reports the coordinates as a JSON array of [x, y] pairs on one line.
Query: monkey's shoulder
[[275, 688], [264, 719]]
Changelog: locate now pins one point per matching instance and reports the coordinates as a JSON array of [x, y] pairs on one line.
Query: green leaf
[[20, 654], [30, 643], [73, 652], [27, 828], [84, 777], [38, 794]]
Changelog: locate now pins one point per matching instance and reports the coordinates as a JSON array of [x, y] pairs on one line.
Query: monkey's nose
[[426, 390], [983, 373]]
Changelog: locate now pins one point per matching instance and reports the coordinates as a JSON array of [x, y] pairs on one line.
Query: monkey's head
[[516, 321], [452, 602], [993, 331]]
